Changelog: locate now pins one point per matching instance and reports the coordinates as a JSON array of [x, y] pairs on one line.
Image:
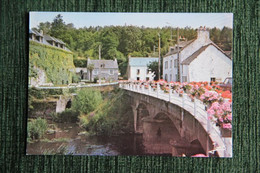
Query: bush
[[80, 62], [87, 100], [75, 78], [108, 119], [68, 115], [95, 79], [36, 128]]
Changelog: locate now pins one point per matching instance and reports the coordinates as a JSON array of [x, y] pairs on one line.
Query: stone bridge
[[178, 122]]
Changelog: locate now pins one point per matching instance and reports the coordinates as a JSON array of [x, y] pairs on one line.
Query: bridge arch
[[142, 112], [192, 127], [167, 127]]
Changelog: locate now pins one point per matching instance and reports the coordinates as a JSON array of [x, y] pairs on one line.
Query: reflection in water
[[77, 144]]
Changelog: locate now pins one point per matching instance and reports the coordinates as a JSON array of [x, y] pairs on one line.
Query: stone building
[[108, 70], [200, 60], [42, 38]]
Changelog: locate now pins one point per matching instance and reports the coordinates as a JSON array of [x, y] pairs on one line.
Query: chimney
[[203, 33]]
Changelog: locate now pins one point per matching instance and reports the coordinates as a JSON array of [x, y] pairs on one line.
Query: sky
[[193, 20]]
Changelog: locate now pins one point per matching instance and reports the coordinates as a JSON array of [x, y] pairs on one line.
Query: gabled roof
[[32, 31], [49, 38], [106, 64], [188, 60], [141, 61], [182, 44]]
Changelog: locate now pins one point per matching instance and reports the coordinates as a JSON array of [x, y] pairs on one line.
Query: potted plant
[[221, 114]]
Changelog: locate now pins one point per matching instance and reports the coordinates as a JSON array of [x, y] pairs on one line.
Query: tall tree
[[45, 27], [58, 26]]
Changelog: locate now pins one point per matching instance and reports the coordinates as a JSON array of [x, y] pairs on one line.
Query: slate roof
[[46, 38], [31, 31], [141, 61], [49, 38], [188, 60], [182, 45], [108, 64]]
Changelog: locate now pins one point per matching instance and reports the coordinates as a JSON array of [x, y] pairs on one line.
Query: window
[[212, 79], [171, 64], [166, 77], [138, 78], [184, 78], [166, 64], [175, 63], [111, 72], [170, 77], [147, 79], [138, 71], [176, 77]]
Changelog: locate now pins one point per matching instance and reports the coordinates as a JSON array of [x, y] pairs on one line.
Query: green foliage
[[80, 63], [75, 78], [36, 128], [95, 79], [56, 62], [87, 100], [43, 93], [69, 115], [154, 68], [113, 117], [223, 38]]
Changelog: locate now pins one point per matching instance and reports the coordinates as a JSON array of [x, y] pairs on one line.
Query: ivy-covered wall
[[56, 63]]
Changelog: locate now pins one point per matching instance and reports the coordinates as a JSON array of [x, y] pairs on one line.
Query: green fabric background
[[13, 89]]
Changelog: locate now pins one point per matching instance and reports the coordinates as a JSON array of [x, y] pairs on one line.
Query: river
[[69, 139]]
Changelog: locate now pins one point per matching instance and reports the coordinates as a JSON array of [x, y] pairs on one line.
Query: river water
[[68, 139]]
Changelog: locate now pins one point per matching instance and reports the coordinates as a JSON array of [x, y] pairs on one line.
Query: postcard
[[130, 84]]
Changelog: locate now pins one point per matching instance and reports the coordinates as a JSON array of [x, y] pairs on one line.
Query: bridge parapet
[[194, 106]]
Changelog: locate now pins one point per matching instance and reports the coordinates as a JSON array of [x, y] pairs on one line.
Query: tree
[[87, 100], [57, 26], [153, 66], [90, 68], [45, 27]]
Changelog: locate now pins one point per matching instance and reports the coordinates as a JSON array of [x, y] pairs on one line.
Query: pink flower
[[220, 112], [226, 106], [215, 105], [211, 111], [207, 94], [229, 117], [227, 126], [210, 117], [220, 119]]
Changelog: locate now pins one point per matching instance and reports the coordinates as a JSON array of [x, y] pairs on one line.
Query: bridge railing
[[194, 106]]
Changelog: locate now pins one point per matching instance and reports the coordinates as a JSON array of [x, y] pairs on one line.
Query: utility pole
[[99, 56], [178, 57], [159, 62]]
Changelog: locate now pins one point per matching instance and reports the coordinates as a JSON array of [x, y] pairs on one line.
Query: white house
[[200, 60], [137, 68]]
